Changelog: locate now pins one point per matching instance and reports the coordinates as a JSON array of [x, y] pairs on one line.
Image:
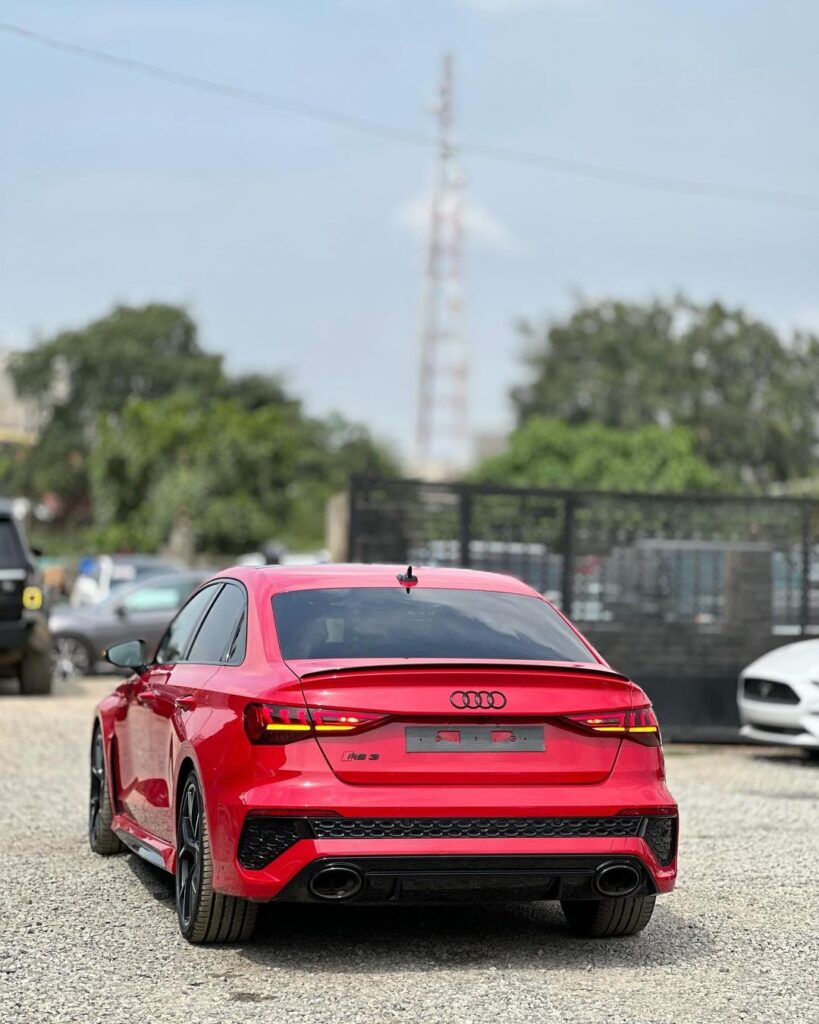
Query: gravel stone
[[88, 939]]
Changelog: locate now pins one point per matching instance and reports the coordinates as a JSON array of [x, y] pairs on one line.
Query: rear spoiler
[[517, 666]]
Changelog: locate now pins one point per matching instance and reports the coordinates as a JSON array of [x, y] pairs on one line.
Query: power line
[[408, 136]]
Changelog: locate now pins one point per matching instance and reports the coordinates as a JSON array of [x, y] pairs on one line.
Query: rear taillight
[[637, 724], [281, 723], [32, 594]]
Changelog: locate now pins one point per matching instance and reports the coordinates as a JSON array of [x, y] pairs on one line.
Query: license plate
[[474, 739]]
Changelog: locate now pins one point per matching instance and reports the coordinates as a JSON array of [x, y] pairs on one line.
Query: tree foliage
[[235, 477], [550, 453], [78, 375], [748, 396], [144, 432]]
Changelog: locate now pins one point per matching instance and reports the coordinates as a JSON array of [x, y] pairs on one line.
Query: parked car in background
[[80, 635], [24, 642], [103, 575], [778, 697]]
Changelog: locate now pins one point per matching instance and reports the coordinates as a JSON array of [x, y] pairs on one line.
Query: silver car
[[144, 610]]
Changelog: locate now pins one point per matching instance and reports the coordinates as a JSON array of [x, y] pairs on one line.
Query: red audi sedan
[[357, 734]]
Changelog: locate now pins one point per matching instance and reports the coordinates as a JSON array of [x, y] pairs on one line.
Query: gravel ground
[[87, 939]]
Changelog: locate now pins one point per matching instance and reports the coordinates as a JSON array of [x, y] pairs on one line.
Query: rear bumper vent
[[266, 837], [473, 828], [661, 836]]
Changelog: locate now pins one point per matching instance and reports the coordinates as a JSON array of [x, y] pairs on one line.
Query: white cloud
[[480, 226]]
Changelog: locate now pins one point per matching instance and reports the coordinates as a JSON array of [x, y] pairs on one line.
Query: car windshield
[[381, 622]]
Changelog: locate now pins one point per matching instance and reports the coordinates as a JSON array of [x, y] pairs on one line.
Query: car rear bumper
[[306, 816], [279, 857]]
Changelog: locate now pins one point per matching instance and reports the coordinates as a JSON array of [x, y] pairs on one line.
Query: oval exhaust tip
[[617, 880], [336, 882]]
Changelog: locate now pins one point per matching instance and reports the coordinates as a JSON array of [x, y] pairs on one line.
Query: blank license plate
[[483, 739]]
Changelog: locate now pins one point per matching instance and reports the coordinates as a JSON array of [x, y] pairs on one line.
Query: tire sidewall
[[187, 930]]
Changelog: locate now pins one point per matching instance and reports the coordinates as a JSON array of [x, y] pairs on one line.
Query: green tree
[[255, 390], [747, 395], [76, 376], [235, 476], [551, 453]]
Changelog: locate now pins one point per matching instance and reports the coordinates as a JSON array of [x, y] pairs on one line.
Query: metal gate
[[677, 591]]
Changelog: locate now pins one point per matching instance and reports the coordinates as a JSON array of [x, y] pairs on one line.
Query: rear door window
[[158, 598], [217, 633], [176, 641]]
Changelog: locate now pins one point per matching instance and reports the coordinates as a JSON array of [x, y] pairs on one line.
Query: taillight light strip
[[277, 723], [639, 723]]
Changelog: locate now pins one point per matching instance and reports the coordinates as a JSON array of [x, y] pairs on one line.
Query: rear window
[[10, 554], [380, 622]]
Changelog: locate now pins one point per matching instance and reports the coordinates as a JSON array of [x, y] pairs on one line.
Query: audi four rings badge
[[477, 699]]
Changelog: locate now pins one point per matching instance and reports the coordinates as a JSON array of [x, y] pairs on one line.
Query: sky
[[298, 245]]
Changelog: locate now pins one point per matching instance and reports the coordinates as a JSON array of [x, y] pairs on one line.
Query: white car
[[778, 697]]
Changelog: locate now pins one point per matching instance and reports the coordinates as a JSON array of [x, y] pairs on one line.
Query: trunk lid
[[461, 723]]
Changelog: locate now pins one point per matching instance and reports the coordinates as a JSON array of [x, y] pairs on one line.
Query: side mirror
[[131, 654]]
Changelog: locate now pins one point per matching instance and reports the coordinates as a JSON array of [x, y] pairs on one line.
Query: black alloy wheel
[[189, 855], [71, 656], [204, 915]]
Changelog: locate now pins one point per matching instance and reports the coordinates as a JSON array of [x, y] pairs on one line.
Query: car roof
[[279, 578]]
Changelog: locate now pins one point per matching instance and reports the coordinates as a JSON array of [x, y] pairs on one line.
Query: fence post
[[569, 506], [804, 615], [352, 519], [465, 528]]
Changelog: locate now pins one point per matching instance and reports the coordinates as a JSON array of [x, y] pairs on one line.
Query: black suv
[[25, 649]]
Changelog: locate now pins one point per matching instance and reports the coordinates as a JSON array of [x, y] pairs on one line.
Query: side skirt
[[143, 844]]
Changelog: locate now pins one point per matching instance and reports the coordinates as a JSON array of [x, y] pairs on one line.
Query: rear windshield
[[10, 553], [380, 622]]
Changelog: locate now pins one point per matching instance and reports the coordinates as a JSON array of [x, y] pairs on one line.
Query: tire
[[204, 915], [35, 673], [101, 838], [72, 657], [609, 918]]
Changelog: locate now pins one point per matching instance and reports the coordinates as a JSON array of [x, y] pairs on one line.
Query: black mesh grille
[[770, 690], [265, 839], [661, 836], [469, 828]]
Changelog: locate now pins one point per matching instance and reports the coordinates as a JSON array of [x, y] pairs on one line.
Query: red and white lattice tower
[[442, 432]]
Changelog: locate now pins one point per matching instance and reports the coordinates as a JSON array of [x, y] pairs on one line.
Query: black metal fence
[[678, 591]]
